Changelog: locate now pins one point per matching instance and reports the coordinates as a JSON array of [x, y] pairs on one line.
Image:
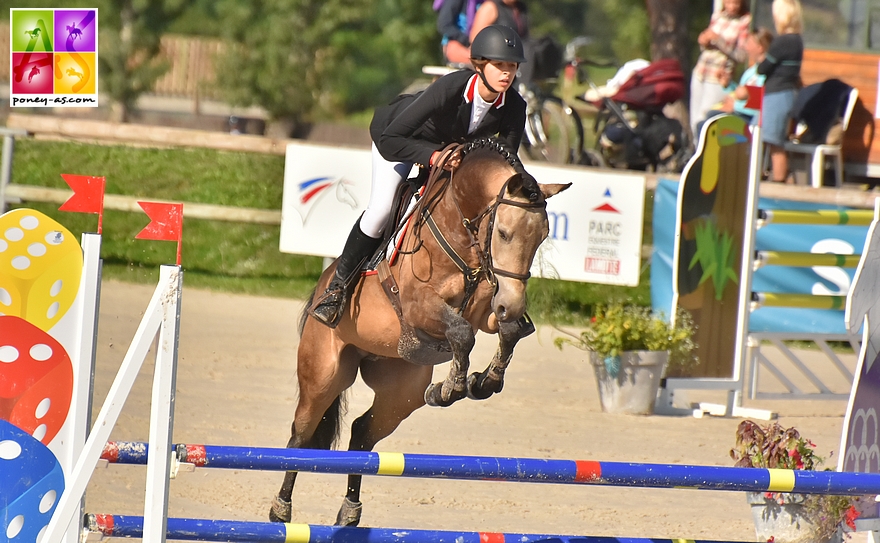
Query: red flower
[[772, 539], [795, 455], [851, 516]]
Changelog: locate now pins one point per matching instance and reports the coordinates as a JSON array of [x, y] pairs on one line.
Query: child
[[734, 103], [782, 67]]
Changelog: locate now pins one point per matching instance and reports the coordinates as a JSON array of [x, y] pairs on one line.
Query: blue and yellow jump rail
[[267, 532], [524, 470]]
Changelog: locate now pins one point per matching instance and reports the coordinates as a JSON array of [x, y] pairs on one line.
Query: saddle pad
[[393, 244]]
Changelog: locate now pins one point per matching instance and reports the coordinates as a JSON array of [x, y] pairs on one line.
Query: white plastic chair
[[820, 151]]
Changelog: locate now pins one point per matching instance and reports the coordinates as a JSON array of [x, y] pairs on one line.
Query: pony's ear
[[553, 189], [515, 184], [523, 184]]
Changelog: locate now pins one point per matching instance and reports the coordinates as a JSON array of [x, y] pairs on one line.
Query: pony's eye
[[503, 235]]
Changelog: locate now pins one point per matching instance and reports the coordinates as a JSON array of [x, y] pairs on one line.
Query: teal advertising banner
[[819, 280]]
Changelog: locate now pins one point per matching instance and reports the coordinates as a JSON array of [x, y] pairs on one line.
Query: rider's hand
[[453, 161]]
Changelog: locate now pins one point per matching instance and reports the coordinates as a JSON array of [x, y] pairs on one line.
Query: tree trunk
[[669, 39], [119, 109]]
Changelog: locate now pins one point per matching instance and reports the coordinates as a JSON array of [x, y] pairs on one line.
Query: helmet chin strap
[[485, 82]]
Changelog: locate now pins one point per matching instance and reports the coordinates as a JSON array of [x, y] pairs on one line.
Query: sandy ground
[[237, 386]]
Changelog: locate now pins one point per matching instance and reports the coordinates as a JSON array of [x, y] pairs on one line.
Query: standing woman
[[413, 130], [723, 46], [782, 66]]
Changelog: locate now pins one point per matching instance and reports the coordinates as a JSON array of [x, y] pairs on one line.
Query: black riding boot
[[328, 307]]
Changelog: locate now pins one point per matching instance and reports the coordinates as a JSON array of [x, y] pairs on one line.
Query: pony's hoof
[[434, 396], [280, 511], [477, 388], [349, 514]]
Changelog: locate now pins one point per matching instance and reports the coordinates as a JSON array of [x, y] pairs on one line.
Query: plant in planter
[[790, 517], [630, 348]]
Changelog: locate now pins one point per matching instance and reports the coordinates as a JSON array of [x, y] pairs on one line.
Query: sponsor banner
[[595, 226], [53, 58], [820, 280]]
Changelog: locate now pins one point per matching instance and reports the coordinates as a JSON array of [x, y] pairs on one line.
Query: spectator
[[735, 103], [782, 67], [722, 46], [454, 22], [513, 14]]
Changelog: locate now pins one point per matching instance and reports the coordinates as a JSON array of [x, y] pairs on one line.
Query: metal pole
[[6, 165]]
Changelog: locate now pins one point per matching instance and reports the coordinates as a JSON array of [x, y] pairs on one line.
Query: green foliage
[[617, 328], [715, 256], [302, 60], [776, 447], [620, 28], [379, 56], [773, 447], [129, 46]]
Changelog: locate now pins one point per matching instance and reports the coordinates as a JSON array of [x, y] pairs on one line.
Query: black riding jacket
[[412, 127]]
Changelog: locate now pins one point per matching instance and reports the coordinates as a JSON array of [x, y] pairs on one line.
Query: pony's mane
[[494, 144], [530, 184]]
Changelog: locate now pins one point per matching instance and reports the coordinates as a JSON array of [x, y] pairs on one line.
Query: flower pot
[[786, 522], [629, 384]]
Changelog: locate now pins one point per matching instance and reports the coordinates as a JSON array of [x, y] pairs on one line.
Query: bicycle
[[554, 131]]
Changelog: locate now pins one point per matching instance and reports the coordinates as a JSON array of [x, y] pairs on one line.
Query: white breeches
[[387, 176]]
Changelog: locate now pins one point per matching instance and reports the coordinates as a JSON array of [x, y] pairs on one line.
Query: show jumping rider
[[413, 129]]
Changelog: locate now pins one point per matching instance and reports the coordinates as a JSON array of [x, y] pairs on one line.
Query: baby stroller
[[632, 131]]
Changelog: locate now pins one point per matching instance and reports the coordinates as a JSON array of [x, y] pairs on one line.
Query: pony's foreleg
[[482, 385], [461, 338]]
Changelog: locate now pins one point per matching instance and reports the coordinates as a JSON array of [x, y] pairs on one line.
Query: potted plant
[[630, 349], [784, 517]]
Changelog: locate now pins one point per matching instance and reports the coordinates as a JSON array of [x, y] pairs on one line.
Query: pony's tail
[[327, 432]]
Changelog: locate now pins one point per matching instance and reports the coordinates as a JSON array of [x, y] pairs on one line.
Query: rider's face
[[500, 74]]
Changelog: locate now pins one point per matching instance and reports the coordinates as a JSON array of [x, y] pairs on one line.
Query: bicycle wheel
[[554, 133]]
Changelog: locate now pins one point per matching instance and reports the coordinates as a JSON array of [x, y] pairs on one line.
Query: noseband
[[486, 269]]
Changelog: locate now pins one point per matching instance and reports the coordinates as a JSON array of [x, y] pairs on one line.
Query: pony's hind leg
[[461, 338], [482, 385], [322, 438], [398, 388], [325, 368]]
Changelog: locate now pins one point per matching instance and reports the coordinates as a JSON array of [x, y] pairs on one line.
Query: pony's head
[[515, 225]]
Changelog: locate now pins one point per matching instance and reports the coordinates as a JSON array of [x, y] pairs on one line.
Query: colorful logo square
[[32, 73], [53, 57], [76, 30], [75, 73], [32, 29]]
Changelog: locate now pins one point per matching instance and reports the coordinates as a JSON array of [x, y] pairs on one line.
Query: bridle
[[486, 268]]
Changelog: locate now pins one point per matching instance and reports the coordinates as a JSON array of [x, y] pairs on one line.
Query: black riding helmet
[[498, 42]]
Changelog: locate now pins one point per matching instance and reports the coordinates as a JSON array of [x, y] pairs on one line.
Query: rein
[[486, 269]]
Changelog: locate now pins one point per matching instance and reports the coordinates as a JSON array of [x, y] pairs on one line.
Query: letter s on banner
[[832, 274]]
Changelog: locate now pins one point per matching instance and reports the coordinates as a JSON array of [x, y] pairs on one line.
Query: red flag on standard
[[88, 195], [166, 221]]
